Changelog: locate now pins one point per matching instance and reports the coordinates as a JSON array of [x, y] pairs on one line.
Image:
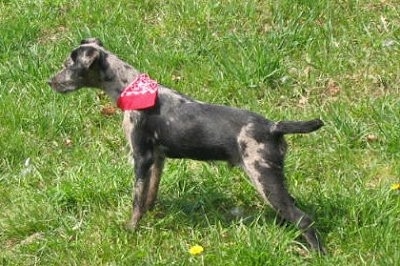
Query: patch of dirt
[[52, 35]]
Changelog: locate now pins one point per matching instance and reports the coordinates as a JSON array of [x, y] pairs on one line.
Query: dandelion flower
[[395, 186], [196, 250]]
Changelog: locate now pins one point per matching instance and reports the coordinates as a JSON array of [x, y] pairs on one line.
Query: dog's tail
[[291, 127]]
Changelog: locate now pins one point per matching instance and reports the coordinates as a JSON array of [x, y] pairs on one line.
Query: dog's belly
[[197, 150], [199, 153]]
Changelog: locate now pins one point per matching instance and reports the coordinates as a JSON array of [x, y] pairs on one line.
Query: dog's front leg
[[128, 125], [143, 162], [155, 176]]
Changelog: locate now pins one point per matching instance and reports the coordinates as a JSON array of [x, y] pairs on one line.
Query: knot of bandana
[[140, 94]]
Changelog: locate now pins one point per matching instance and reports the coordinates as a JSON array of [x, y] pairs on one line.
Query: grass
[[65, 180]]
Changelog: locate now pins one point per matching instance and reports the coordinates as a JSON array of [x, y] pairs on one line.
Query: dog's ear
[[88, 55], [92, 40]]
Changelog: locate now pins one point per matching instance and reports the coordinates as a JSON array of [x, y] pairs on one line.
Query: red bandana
[[140, 94]]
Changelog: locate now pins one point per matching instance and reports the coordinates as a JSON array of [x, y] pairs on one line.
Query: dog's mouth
[[62, 87]]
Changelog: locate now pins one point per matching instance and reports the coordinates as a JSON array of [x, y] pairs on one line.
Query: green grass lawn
[[65, 179]]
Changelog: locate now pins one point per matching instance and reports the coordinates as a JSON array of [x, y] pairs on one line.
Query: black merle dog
[[180, 127]]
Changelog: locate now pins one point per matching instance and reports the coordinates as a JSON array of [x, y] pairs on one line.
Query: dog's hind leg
[[262, 159], [269, 181]]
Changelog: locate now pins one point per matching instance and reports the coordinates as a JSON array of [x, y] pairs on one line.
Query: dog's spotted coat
[[180, 127]]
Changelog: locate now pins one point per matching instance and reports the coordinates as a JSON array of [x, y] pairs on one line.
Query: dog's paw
[[131, 226]]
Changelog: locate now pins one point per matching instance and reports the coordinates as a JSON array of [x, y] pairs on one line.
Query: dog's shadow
[[202, 212], [200, 202], [210, 206]]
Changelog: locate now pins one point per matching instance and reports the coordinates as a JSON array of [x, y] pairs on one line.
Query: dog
[[176, 126]]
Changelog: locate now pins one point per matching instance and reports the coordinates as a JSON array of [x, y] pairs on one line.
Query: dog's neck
[[117, 76]]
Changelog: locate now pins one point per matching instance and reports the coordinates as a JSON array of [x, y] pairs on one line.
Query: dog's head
[[83, 67]]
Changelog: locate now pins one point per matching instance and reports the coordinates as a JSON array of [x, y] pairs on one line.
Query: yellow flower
[[196, 250], [395, 186]]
